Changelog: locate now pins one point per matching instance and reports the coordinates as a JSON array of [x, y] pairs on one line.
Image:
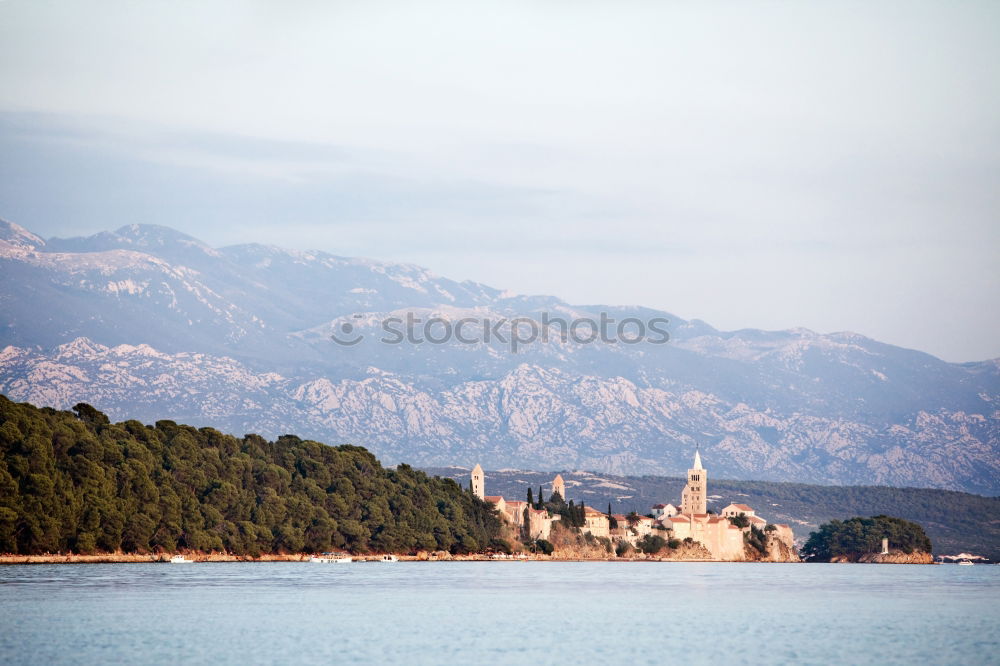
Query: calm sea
[[499, 612]]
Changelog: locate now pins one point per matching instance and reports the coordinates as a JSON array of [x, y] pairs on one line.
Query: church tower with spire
[[694, 497]]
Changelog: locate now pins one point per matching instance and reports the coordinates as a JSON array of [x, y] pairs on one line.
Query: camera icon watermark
[[515, 333], [345, 335]]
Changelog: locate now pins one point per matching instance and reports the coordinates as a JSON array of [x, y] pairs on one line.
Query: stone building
[[621, 531], [515, 512], [539, 522], [631, 531], [694, 497], [734, 510], [644, 525], [719, 537], [661, 511], [596, 523], [498, 502]]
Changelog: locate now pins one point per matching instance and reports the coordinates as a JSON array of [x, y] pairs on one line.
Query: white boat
[[180, 559], [389, 558], [329, 558], [965, 563]]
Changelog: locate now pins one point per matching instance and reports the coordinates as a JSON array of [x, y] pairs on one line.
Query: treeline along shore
[[691, 555], [75, 487], [74, 482]]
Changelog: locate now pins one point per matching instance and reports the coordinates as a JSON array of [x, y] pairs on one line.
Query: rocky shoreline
[[892, 557], [135, 558]]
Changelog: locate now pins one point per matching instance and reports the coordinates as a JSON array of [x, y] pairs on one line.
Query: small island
[[875, 540]]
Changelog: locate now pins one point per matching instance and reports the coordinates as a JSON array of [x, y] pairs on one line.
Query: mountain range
[[146, 322]]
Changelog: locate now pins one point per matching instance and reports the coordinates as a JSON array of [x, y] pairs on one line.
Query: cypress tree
[[531, 502], [541, 498]]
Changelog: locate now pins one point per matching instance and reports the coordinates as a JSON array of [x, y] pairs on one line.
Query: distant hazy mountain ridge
[[147, 322]]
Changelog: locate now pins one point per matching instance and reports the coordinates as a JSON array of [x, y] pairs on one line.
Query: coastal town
[[721, 536]]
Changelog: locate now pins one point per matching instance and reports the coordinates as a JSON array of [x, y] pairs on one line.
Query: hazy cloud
[[832, 165]]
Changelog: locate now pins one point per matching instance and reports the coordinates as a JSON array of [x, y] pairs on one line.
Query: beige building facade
[[596, 523], [734, 510], [716, 533], [632, 531], [661, 511]]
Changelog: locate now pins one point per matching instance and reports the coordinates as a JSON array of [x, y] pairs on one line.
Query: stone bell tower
[[559, 486], [478, 482], [694, 497]]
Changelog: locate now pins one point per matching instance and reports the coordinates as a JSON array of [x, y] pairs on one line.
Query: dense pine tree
[[78, 482]]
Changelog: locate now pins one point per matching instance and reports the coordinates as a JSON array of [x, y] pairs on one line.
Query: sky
[[829, 165]]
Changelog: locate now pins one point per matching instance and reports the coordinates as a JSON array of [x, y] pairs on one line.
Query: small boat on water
[[389, 558], [180, 559], [331, 558], [965, 563]]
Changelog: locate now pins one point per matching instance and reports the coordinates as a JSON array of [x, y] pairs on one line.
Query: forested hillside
[[76, 482]]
